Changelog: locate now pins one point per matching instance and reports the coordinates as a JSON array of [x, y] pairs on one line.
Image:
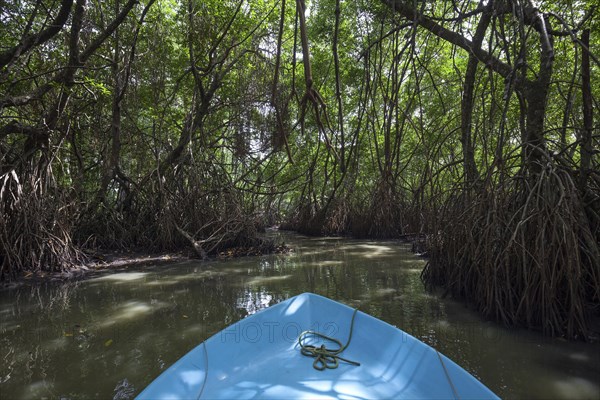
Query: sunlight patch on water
[[128, 311], [371, 250], [442, 324], [183, 278], [579, 357], [328, 263], [121, 277], [261, 280], [325, 263], [414, 270], [384, 292], [411, 263], [8, 310], [164, 282], [205, 274], [196, 330], [577, 388], [320, 252], [37, 390], [229, 270]]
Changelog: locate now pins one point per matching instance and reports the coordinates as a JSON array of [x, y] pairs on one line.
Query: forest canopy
[[161, 124]]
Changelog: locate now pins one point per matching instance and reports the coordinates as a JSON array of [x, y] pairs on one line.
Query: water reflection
[[111, 335]]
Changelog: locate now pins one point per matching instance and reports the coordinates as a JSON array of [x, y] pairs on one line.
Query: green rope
[[326, 357]]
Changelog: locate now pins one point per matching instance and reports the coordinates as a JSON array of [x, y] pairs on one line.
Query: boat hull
[[259, 357]]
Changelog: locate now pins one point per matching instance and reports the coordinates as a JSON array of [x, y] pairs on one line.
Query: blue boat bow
[[259, 357]]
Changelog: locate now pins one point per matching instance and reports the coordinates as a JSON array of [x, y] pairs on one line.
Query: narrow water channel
[[109, 336]]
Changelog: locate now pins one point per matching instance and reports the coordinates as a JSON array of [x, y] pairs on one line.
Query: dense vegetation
[[163, 124]]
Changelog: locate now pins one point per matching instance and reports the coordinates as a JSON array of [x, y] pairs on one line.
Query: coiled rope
[[326, 357]]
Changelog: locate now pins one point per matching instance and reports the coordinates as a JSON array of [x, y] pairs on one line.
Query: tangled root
[[524, 253], [36, 226]]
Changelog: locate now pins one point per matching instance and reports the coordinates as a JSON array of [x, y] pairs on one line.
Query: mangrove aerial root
[[523, 253]]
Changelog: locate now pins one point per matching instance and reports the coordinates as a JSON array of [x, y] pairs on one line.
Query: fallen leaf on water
[[68, 334], [185, 316], [108, 342]]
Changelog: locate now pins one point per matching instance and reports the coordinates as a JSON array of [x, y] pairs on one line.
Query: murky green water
[[108, 337]]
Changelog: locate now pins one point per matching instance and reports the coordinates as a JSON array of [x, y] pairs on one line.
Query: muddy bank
[[99, 263]]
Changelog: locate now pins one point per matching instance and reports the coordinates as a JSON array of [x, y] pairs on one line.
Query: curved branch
[[64, 74], [571, 32], [483, 56], [30, 41], [85, 55]]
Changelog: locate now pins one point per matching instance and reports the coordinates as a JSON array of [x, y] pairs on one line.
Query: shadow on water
[[110, 335]]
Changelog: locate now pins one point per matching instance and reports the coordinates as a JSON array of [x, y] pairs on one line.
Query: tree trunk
[[338, 93], [466, 105], [300, 9], [111, 161], [586, 134]]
